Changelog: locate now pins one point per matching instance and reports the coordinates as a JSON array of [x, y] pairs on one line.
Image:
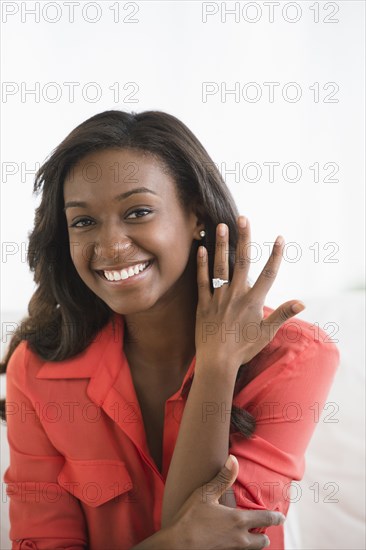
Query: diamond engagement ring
[[218, 282]]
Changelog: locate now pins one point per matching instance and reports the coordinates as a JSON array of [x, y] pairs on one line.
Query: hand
[[229, 322], [204, 523]]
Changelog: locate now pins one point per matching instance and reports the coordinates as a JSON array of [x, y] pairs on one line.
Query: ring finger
[[221, 262]]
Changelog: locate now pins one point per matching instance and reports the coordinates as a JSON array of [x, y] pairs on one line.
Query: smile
[[124, 275]]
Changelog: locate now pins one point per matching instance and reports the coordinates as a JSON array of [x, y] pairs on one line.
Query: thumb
[[215, 488], [283, 313]]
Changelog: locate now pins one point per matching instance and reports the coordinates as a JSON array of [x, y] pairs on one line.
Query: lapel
[[104, 363], [86, 363], [111, 387]]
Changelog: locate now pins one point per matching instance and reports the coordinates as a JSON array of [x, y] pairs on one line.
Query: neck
[[162, 339]]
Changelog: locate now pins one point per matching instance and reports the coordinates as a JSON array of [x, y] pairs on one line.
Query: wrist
[[171, 538], [161, 540], [218, 367], [177, 536]]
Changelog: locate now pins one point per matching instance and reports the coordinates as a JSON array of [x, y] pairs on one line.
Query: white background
[[169, 52]]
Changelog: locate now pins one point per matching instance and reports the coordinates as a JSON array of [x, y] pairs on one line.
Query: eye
[[75, 224], [138, 211]]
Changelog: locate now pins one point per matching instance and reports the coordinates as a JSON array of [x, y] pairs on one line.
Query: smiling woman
[[141, 375], [109, 232]]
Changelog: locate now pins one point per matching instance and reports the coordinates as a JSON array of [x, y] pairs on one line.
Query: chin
[[129, 306], [125, 310]]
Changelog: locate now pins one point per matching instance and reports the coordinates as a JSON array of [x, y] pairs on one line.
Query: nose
[[112, 246], [114, 253]]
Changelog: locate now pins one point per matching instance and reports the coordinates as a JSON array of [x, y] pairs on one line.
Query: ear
[[199, 214]]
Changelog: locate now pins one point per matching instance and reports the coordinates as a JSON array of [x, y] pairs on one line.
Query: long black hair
[[63, 318]]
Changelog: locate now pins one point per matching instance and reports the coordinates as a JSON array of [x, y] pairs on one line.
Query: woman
[[146, 358]]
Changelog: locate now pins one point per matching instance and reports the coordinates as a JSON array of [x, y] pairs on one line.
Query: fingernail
[[296, 308], [222, 230], [281, 517], [267, 541], [279, 240], [229, 463], [242, 221], [201, 251]]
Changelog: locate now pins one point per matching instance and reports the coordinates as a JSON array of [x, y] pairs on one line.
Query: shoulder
[[301, 360], [22, 361], [296, 345], [298, 341], [302, 334], [27, 368]]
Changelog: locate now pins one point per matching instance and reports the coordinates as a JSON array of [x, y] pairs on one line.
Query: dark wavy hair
[[64, 318]]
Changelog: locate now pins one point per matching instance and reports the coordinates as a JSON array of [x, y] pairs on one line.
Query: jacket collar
[[105, 353], [85, 364], [101, 361]]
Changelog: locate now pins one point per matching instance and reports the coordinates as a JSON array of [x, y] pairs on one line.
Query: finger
[[242, 257], [262, 518], [213, 490], [256, 542], [203, 280], [269, 272], [228, 498], [272, 323], [221, 262]]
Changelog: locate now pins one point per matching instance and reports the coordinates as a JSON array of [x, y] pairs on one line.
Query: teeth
[[125, 273]]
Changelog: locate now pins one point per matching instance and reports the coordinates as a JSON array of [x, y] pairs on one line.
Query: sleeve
[[43, 515], [287, 407]]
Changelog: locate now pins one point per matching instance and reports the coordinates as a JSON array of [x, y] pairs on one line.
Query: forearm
[[203, 439], [161, 540]]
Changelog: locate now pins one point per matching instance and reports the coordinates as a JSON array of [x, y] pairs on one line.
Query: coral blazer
[[81, 475]]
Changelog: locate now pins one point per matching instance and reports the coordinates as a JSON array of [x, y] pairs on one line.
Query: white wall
[[167, 55]]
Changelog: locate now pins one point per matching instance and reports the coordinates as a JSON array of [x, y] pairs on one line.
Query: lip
[[118, 268], [126, 282]]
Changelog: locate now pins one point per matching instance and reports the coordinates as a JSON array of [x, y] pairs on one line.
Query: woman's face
[[130, 214]]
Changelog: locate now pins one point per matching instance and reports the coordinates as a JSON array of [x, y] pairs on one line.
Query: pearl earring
[[202, 233]]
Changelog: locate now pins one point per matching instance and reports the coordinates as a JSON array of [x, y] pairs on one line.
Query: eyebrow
[[117, 198]]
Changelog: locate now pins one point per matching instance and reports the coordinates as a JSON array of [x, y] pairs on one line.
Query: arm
[[285, 420], [233, 308], [161, 540], [220, 316], [42, 514], [204, 430], [165, 539], [203, 523]]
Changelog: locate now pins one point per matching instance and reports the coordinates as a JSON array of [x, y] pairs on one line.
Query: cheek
[[175, 253], [81, 253]]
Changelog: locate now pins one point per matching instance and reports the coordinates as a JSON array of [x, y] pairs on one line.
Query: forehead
[[106, 172]]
